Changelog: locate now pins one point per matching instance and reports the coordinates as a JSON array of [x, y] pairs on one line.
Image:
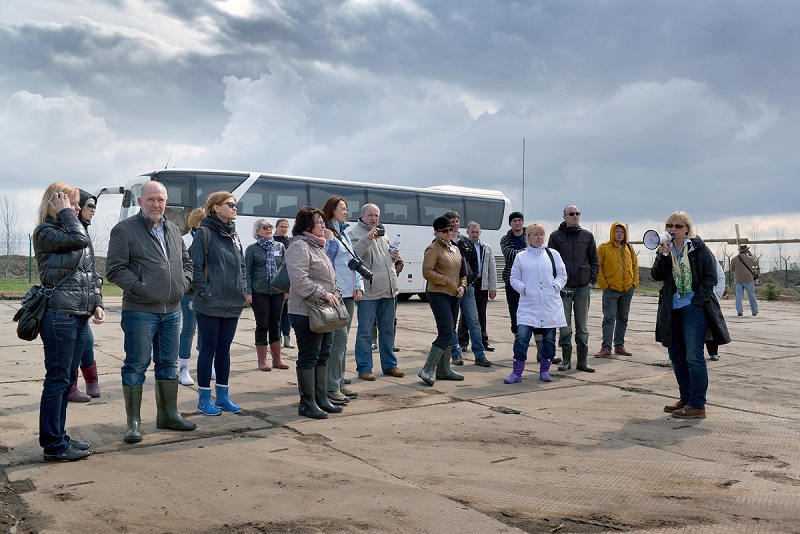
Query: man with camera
[[378, 302], [579, 252], [745, 272]]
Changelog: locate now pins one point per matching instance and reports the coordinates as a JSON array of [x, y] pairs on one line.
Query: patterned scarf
[[311, 238], [269, 247], [682, 271]]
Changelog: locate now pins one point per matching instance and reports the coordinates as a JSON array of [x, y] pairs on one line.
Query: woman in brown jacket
[[441, 267]]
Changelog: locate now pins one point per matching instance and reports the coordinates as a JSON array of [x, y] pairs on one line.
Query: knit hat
[[515, 215], [440, 223]]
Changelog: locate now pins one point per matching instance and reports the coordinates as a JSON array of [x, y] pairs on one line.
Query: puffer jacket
[[218, 279], [579, 252], [255, 268], [375, 253], [62, 246], [310, 273], [150, 281], [704, 278], [540, 304], [348, 280], [619, 266]]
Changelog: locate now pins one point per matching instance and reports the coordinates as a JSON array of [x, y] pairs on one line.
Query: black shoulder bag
[[34, 304], [755, 275]]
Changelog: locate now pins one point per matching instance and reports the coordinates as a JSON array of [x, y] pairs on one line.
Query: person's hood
[[613, 230], [563, 226], [85, 196]]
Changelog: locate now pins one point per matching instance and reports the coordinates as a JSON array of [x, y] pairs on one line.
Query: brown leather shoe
[[367, 376], [622, 351], [395, 372], [669, 408], [687, 412]]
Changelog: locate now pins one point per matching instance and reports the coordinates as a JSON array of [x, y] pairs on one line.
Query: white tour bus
[[407, 211]]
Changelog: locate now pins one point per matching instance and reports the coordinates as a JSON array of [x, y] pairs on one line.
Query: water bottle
[[395, 244]]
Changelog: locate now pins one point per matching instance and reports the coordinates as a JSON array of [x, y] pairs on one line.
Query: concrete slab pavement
[[584, 453]]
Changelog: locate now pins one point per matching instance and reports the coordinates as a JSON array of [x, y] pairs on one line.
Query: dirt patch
[[311, 526], [16, 517]]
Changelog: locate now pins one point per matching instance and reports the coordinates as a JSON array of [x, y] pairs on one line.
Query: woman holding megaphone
[[686, 310]]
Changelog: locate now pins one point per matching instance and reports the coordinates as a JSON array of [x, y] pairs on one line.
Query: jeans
[[512, 298], [469, 313], [286, 327], [64, 339], [267, 312], [579, 302], [336, 362], [523, 340], [369, 311], [686, 354], [616, 306], [445, 312], [150, 336], [312, 349], [188, 327], [87, 357], [217, 335], [750, 287]]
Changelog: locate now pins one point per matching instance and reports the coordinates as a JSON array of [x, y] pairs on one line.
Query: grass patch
[[14, 288]]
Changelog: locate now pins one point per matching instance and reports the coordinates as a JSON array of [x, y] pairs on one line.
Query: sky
[[628, 109]]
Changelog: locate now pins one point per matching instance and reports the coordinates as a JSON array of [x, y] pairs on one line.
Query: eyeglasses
[[267, 227], [91, 206], [573, 213], [231, 205], [676, 226], [320, 222]]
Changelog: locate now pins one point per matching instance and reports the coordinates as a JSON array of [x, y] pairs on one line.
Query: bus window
[[180, 187], [354, 195], [487, 213], [433, 206], [274, 197], [211, 183], [178, 215], [397, 207]]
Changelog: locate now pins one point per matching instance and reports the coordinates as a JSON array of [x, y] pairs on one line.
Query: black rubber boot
[[308, 406], [443, 370], [133, 408], [566, 364], [167, 415], [428, 370], [321, 390], [583, 365]]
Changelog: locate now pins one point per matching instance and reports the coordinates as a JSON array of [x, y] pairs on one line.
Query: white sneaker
[[213, 373], [185, 378]]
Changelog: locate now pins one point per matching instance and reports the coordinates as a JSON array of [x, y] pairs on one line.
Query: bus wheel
[[403, 297]]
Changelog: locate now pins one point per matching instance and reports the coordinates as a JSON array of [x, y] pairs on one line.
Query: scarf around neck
[[681, 270], [269, 247], [311, 238]]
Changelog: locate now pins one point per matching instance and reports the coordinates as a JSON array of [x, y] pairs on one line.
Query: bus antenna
[[169, 158]]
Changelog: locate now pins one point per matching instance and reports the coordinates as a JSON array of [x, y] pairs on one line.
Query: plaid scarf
[[269, 247]]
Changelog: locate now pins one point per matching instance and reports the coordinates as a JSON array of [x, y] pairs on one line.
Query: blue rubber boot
[[205, 405], [223, 401], [544, 367]]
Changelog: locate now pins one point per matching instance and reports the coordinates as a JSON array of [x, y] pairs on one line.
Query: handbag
[[281, 280], [323, 318], [34, 304]]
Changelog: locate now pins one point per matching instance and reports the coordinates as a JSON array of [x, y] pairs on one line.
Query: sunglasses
[[676, 226], [573, 213], [231, 205], [91, 206], [446, 230]]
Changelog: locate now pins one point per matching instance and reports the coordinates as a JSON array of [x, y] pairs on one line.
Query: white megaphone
[[653, 239]]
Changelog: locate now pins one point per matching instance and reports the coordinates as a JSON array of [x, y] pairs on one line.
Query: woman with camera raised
[[311, 273], [66, 269], [262, 260], [538, 275], [340, 251], [686, 310]]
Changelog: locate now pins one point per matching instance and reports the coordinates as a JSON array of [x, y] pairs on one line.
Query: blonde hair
[[535, 226], [215, 199], [46, 207], [195, 216], [685, 219]]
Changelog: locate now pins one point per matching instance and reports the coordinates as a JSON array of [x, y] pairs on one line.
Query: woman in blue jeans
[[686, 309], [60, 243], [311, 273], [441, 267], [218, 282]]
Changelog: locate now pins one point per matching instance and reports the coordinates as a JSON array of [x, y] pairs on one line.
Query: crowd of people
[[175, 286]]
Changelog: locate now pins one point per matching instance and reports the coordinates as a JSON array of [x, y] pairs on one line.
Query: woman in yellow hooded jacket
[[618, 278]]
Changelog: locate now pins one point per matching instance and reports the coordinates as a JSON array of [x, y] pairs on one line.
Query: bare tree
[[777, 256], [9, 222]]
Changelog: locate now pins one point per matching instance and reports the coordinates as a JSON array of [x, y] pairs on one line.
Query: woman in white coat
[[538, 275]]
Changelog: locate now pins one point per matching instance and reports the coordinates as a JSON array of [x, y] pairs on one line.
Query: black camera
[[357, 265], [566, 293]]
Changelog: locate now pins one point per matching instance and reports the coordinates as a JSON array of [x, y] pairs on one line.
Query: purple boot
[[516, 374], [544, 366]]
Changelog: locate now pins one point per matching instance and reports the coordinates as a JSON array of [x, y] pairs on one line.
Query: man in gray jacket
[[148, 260], [378, 301]]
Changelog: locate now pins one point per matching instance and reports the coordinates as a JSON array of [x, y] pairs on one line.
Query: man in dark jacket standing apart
[[148, 260], [579, 252]]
